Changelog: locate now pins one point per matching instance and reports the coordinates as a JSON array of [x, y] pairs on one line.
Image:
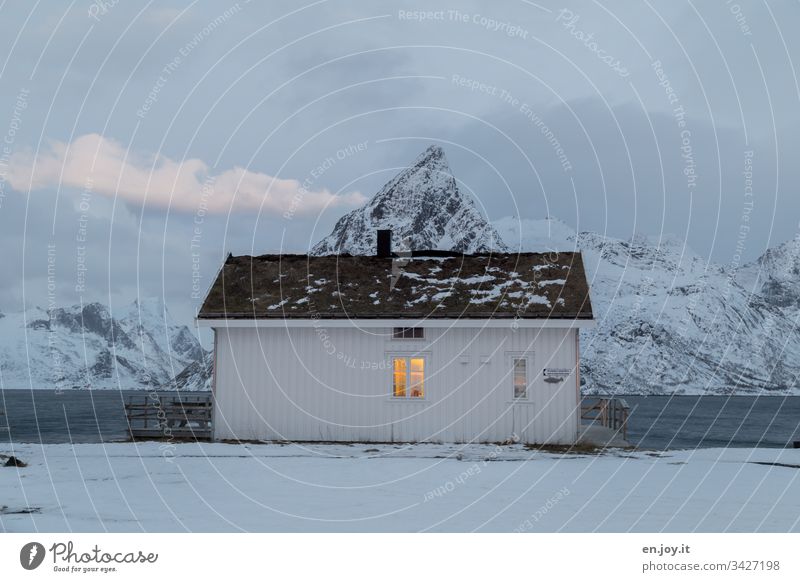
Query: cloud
[[103, 166]]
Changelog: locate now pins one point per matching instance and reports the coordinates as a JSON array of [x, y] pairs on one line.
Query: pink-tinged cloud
[[105, 167]]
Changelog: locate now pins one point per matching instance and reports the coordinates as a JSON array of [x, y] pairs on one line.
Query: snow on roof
[[483, 286]]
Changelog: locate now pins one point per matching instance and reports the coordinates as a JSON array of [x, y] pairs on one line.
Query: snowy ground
[[221, 487]]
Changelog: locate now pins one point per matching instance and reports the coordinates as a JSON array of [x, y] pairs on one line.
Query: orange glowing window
[[520, 377], [408, 378], [400, 377]]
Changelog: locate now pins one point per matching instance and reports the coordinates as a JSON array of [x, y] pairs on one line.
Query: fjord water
[[656, 422], [682, 422], [76, 416]]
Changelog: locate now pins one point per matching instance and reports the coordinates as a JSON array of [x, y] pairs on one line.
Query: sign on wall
[[555, 375]]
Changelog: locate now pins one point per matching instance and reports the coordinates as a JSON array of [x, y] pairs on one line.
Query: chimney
[[384, 250]]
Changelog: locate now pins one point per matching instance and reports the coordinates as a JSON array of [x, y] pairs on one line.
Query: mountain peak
[[774, 274], [432, 153], [425, 210], [151, 312], [148, 304]]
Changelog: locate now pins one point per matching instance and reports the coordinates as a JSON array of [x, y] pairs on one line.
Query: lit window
[[520, 377], [408, 378], [409, 333], [400, 377], [416, 377]]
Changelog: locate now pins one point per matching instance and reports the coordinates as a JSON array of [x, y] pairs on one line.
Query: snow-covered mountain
[[668, 320], [196, 376], [671, 322], [87, 347], [775, 275], [425, 210]]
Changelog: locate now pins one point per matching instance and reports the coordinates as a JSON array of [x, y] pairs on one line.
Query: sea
[[655, 422]]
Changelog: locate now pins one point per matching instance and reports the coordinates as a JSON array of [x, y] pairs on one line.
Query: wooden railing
[[184, 416], [608, 412]]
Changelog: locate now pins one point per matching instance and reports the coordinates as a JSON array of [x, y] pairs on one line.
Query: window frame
[[403, 331], [528, 358], [407, 397]]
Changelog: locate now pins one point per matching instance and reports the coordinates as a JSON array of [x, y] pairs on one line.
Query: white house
[[434, 347]]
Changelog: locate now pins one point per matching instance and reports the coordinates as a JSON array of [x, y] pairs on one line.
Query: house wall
[[334, 384]]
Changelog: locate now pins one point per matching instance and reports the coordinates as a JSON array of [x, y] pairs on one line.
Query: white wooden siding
[[335, 384]]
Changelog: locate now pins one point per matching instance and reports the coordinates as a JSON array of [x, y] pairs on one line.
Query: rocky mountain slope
[[425, 210], [88, 347]]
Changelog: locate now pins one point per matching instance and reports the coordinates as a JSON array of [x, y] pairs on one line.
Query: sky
[[140, 143]]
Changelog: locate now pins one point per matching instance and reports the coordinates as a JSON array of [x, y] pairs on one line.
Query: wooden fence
[[171, 416], [608, 412]]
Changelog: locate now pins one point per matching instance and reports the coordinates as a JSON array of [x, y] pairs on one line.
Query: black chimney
[[384, 250]]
